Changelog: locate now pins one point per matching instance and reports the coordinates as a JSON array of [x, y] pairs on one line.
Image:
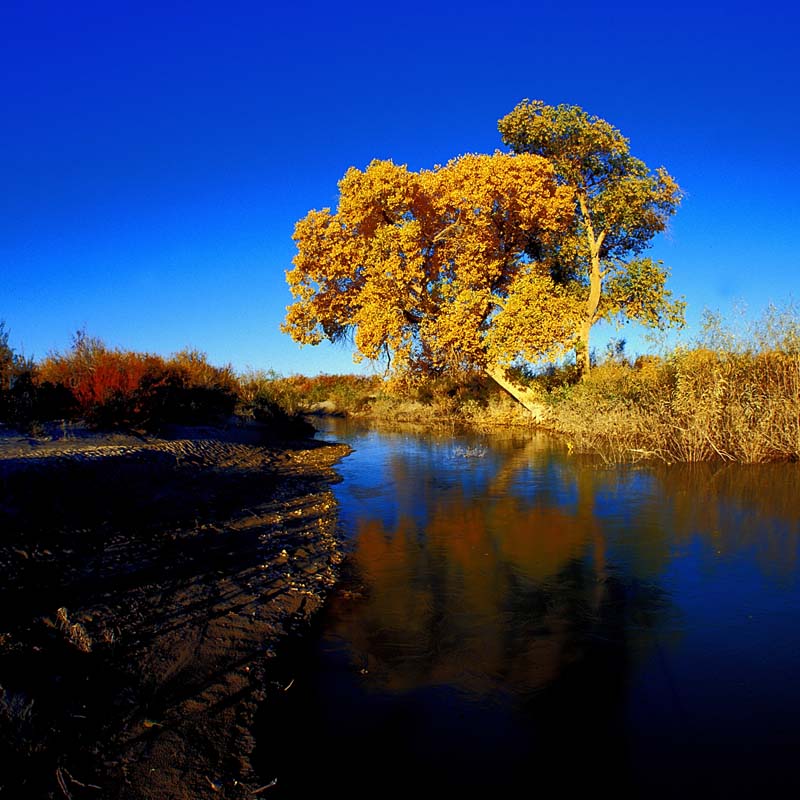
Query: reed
[[734, 395], [731, 397]]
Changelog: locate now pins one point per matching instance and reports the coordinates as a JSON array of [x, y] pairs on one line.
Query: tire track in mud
[[184, 563]]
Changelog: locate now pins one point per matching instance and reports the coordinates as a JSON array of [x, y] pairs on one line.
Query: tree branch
[[444, 231]]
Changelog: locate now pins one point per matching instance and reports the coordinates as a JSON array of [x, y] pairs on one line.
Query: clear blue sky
[[155, 157]]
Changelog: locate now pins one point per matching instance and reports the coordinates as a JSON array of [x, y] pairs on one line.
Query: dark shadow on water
[[340, 728], [526, 623]]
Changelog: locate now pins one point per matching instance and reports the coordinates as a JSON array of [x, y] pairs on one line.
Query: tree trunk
[[521, 394], [583, 354]]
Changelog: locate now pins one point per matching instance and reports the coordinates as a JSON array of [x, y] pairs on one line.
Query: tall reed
[[734, 396]]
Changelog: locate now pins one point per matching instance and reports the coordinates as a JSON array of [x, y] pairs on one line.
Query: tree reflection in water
[[517, 619]]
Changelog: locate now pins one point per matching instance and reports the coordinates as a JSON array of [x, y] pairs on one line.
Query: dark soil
[[145, 588]]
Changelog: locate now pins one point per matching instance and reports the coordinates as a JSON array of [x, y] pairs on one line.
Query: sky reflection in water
[[524, 610]]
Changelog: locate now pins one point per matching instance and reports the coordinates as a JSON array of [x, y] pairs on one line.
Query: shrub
[[188, 389], [734, 396], [298, 394], [18, 400], [112, 388]]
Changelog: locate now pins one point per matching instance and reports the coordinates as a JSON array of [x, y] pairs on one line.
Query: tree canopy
[[620, 205], [432, 269], [490, 259]]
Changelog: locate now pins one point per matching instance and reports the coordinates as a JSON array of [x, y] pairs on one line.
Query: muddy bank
[[146, 586]]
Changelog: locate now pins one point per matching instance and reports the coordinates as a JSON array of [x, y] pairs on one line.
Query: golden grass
[[696, 405]]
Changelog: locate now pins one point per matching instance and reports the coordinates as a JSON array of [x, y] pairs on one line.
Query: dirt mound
[[146, 587]]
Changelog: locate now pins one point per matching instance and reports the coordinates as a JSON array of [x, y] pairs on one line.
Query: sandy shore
[[147, 585]]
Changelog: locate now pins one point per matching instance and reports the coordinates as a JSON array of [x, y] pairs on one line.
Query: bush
[[734, 396], [117, 388], [18, 400], [298, 394], [187, 389]]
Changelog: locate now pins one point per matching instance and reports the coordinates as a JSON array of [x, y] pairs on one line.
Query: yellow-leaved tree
[[433, 271], [620, 205]]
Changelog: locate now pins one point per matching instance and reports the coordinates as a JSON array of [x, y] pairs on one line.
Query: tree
[[7, 358], [13, 365], [432, 269], [620, 205], [16, 381]]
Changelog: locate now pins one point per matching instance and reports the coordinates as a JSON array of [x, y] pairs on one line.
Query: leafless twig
[[62, 783], [73, 779], [273, 782]]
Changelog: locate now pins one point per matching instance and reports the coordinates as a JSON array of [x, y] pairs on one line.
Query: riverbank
[[735, 405], [147, 584]]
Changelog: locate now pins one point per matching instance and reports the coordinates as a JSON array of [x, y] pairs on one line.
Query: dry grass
[[733, 396], [73, 632], [487, 410], [298, 393], [696, 405]]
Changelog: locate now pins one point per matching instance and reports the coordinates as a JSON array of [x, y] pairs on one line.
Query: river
[[519, 619]]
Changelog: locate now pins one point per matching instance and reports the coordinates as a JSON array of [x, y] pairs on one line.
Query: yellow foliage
[[620, 206], [431, 268]]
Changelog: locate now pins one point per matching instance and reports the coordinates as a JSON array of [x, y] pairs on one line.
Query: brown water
[[517, 619]]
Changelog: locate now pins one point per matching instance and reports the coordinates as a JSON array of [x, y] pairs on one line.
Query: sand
[[148, 586]]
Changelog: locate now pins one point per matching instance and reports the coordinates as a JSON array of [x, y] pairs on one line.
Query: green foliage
[[625, 199], [639, 293], [620, 205]]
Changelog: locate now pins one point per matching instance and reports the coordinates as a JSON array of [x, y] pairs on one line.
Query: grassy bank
[[733, 395], [111, 388], [693, 405]]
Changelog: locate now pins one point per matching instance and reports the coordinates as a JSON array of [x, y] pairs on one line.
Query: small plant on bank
[[73, 632]]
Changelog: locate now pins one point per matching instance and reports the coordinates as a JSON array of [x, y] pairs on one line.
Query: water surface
[[518, 618]]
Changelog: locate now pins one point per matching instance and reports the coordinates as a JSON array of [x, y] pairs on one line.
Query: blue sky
[[154, 158]]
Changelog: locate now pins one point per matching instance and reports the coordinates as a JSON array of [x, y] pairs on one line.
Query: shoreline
[[149, 586]]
